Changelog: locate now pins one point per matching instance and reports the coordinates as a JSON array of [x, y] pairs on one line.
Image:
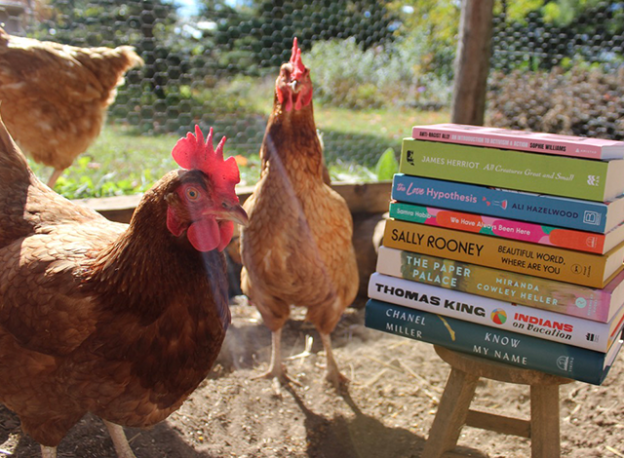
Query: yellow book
[[528, 258]]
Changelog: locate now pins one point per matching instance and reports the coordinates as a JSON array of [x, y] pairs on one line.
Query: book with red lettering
[[524, 231], [503, 346], [597, 304], [496, 313], [535, 142]]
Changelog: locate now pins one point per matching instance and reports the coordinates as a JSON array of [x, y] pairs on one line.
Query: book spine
[[538, 173], [569, 213], [515, 230], [503, 346], [527, 258], [491, 312], [508, 139], [565, 298]]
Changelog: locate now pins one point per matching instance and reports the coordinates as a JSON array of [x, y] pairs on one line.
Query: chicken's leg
[[56, 173], [122, 447], [48, 452], [276, 369], [332, 373]]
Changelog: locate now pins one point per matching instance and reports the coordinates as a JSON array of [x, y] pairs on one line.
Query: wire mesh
[[562, 75], [217, 65]]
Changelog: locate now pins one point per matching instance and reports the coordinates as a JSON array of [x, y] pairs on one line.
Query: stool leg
[[545, 442], [451, 415]]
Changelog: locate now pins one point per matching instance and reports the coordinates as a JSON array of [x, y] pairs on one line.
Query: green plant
[[387, 76], [387, 165], [123, 161]]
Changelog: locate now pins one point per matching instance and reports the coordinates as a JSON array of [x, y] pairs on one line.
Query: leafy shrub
[[387, 76], [581, 101]]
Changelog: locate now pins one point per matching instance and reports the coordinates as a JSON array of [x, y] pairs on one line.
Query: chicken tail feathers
[[13, 164]]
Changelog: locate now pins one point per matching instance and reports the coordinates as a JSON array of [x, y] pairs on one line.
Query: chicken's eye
[[192, 194]]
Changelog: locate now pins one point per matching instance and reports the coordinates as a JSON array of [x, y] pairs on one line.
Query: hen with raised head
[[61, 91], [297, 248], [123, 321]]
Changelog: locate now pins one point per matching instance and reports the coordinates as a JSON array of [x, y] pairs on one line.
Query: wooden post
[[545, 421], [451, 415], [472, 62]]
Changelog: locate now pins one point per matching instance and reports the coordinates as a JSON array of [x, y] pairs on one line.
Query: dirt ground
[[386, 411]]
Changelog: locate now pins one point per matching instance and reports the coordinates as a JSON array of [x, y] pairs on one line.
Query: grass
[[121, 162]]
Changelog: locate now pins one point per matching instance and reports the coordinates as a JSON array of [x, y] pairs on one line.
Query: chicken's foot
[[276, 368], [332, 374], [306, 352], [120, 441], [48, 452]]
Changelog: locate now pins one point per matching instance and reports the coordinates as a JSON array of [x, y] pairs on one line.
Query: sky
[[187, 7], [190, 7]]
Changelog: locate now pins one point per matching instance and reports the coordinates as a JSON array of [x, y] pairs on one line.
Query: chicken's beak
[[234, 212], [293, 86]]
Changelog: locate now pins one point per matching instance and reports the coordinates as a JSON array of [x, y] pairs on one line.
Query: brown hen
[[60, 91], [297, 249], [123, 321]]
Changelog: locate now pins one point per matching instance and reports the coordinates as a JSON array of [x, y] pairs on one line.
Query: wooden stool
[[454, 410]]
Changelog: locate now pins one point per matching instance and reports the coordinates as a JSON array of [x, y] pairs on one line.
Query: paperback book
[[534, 142], [570, 239], [539, 173], [497, 314], [584, 215], [526, 258], [597, 304], [499, 345]]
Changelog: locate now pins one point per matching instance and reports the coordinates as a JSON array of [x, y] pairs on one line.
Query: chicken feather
[[297, 248], [123, 321], [61, 92]]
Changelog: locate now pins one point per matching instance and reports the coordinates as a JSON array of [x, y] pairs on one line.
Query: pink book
[[494, 137]]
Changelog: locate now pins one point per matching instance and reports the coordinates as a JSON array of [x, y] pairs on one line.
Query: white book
[[499, 314]]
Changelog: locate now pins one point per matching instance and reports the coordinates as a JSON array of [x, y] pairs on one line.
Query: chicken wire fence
[[216, 64]]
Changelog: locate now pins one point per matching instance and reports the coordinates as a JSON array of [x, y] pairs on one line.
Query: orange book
[[523, 231], [527, 258]]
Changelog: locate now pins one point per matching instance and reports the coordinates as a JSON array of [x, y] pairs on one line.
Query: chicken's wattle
[[207, 234]]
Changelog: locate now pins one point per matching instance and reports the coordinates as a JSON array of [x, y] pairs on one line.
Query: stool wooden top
[[494, 370]]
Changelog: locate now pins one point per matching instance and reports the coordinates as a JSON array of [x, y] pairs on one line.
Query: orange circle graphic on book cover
[[499, 316]]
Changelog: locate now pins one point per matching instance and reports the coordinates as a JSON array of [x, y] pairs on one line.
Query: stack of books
[[507, 245]]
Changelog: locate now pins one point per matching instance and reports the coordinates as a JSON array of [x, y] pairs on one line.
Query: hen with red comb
[[207, 230], [120, 320], [297, 248], [293, 87]]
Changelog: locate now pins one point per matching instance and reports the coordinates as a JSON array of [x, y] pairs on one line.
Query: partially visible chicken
[[60, 91], [297, 249], [123, 321]]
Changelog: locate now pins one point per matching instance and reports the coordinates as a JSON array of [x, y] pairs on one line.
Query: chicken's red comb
[[295, 59], [191, 153]]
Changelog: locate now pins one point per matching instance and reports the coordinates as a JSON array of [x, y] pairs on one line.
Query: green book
[[519, 170], [507, 347]]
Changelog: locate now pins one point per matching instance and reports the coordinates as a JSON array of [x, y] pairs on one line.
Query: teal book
[[502, 346], [519, 170]]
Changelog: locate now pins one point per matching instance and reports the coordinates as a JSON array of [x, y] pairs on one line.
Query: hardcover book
[[497, 314], [539, 173], [566, 298], [590, 242], [600, 217], [526, 258], [534, 142], [499, 345]]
